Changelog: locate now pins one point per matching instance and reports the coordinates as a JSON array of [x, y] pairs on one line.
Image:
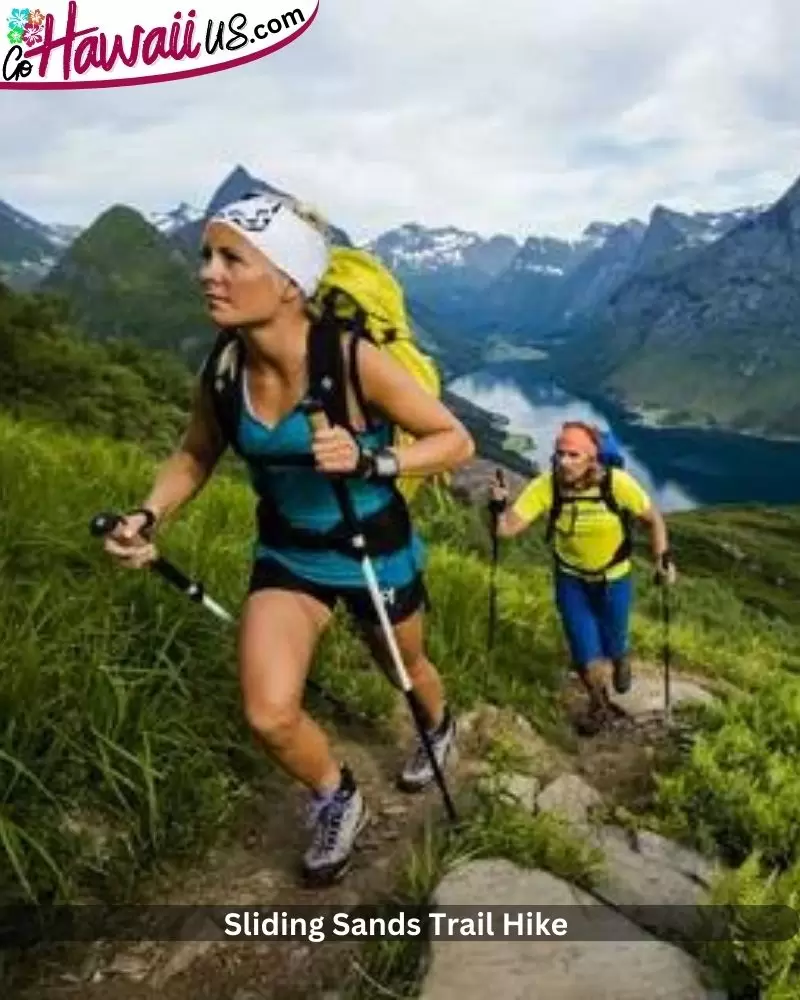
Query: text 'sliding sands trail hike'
[[22, 926]]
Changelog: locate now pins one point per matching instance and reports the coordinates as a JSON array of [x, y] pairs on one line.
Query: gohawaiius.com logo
[[99, 44]]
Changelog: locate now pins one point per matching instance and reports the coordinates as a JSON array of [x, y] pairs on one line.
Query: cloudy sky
[[515, 117]]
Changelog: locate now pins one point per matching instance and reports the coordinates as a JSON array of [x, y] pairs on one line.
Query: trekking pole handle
[[315, 412], [666, 561], [104, 523], [496, 507], [318, 419]]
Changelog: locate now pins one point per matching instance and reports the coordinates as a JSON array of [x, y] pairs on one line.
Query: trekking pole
[[494, 513], [319, 421], [103, 524], [666, 646], [667, 652]]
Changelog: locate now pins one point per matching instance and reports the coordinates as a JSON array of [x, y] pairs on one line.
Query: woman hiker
[[262, 261], [590, 536]]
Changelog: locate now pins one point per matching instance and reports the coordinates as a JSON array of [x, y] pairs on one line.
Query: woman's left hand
[[335, 450]]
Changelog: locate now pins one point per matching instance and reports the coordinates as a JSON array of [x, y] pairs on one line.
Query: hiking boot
[[597, 718], [337, 819], [622, 675], [418, 771], [601, 716]]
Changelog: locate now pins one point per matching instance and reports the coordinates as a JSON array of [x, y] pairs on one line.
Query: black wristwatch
[[377, 464]]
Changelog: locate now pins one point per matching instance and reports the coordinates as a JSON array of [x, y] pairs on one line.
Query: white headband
[[292, 244]]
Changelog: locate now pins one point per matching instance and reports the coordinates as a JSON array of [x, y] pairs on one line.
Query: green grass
[[123, 749], [122, 738]]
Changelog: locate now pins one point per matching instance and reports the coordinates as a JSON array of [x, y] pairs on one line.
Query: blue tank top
[[306, 499]]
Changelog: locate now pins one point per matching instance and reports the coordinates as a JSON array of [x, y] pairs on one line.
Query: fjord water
[[681, 468]]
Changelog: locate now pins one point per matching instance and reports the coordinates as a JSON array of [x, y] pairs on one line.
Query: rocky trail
[[257, 867]]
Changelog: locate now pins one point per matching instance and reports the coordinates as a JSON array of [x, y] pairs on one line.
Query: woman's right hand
[[128, 545]]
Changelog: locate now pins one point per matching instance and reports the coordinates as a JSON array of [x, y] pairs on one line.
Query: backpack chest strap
[[387, 531]]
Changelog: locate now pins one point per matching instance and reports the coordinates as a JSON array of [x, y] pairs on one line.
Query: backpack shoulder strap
[[610, 500], [355, 378], [555, 507], [326, 371], [329, 376], [221, 378], [607, 492]]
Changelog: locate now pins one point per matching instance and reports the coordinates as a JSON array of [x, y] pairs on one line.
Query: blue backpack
[[610, 452]]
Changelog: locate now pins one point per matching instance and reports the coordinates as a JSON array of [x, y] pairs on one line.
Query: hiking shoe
[[418, 771], [337, 819], [608, 716], [595, 721], [622, 675]]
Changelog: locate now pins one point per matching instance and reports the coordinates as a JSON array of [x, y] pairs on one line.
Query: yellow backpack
[[360, 294]]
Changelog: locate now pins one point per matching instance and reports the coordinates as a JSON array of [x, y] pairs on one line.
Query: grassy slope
[[49, 371], [120, 711], [123, 744], [78, 628]]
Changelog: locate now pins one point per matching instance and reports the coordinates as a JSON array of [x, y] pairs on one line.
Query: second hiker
[[591, 504]]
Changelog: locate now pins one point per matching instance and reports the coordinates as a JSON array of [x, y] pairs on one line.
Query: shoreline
[[645, 417], [494, 440], [648, 417], [614, 408]]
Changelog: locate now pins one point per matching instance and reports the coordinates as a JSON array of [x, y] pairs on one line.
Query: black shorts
[[400, 602]]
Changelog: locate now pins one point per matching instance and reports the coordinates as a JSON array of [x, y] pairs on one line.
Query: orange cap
[[577, 437]]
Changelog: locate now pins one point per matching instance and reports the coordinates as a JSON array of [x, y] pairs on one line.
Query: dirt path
[[620, 763]]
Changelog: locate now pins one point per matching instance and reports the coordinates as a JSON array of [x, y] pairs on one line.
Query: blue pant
[[594, 616]]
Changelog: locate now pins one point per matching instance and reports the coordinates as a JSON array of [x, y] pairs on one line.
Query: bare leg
[[277, 639], [422, 673], [427, 684]]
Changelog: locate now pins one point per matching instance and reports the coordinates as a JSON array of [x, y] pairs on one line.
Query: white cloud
[[513, 117]]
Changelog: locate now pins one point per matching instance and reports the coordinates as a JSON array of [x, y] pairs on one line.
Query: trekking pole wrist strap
[[150, 519]]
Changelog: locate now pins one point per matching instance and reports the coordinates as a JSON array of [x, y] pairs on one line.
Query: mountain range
[[709, 335], [28, 248], [708, 298], [105, 270]]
